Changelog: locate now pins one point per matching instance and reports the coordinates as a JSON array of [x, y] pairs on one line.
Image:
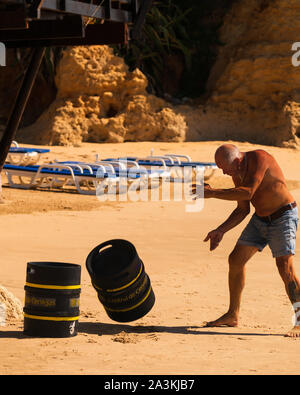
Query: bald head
[[226, 154], [228, 157]]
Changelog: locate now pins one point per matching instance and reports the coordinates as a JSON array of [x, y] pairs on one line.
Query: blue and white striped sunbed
[[181, 166], [22, 156], [23, 150], [85, 177], [56, 175], [154, 162], [130, 173], [128, 169]]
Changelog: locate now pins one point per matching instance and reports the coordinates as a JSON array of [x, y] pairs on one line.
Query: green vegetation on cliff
[[178, 45]]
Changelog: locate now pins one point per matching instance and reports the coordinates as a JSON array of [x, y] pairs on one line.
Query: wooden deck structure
[[46, 23]]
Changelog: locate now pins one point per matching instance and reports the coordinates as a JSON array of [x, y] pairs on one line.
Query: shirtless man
[[258, 179]]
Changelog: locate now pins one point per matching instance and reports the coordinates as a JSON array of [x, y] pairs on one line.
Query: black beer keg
[[118, 275], [52, 292]]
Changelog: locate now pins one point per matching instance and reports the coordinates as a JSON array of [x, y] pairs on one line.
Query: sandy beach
[[189, 281]]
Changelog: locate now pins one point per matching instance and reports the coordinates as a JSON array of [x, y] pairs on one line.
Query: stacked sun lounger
[[22, 156], [86, 178], [181, 167], [98, 176]]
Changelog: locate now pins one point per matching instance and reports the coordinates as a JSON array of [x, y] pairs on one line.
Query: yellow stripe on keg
[[123, 287], [130, 308], [41, 317], [46, 286]]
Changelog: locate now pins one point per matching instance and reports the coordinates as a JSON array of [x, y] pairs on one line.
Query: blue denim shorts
[[279, 234]]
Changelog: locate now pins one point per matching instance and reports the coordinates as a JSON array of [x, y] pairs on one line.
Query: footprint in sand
[[124, 337]]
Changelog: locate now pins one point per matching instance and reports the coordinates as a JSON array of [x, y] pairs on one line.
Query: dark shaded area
[[176, 49], [178, 46], [98, 328], [104, 329], [43, 91]]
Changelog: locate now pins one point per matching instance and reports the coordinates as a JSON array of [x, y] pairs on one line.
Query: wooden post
[[140, 19], [19, 105]]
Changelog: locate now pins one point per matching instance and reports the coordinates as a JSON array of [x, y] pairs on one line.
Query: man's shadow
[[104, 329], [99, 328]]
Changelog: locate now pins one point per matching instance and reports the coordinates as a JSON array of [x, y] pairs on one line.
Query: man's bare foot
[[226, 320], [295, 332]]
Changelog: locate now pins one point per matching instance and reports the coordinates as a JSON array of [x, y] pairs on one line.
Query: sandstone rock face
[[253, 92], [254, 87], [99, 100], [11, 309]]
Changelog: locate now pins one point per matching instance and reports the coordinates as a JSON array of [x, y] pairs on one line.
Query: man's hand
[[215, 236], [207, 191]]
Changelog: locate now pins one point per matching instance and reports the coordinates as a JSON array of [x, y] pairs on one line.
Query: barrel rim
[[122, 286], [95, 251], [135, 314], [54, 265]]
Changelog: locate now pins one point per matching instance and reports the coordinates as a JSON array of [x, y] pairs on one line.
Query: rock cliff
[[253, 88], [99, 99], [253, 91]]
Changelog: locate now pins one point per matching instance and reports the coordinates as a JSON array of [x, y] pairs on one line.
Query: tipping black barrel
[[118, 275], [52, 293]]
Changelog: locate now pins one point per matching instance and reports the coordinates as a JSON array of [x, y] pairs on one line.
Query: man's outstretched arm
[[255, 174], [238, 194], [235, 218]]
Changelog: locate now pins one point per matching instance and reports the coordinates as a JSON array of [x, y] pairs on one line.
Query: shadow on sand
[[99, 328]]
